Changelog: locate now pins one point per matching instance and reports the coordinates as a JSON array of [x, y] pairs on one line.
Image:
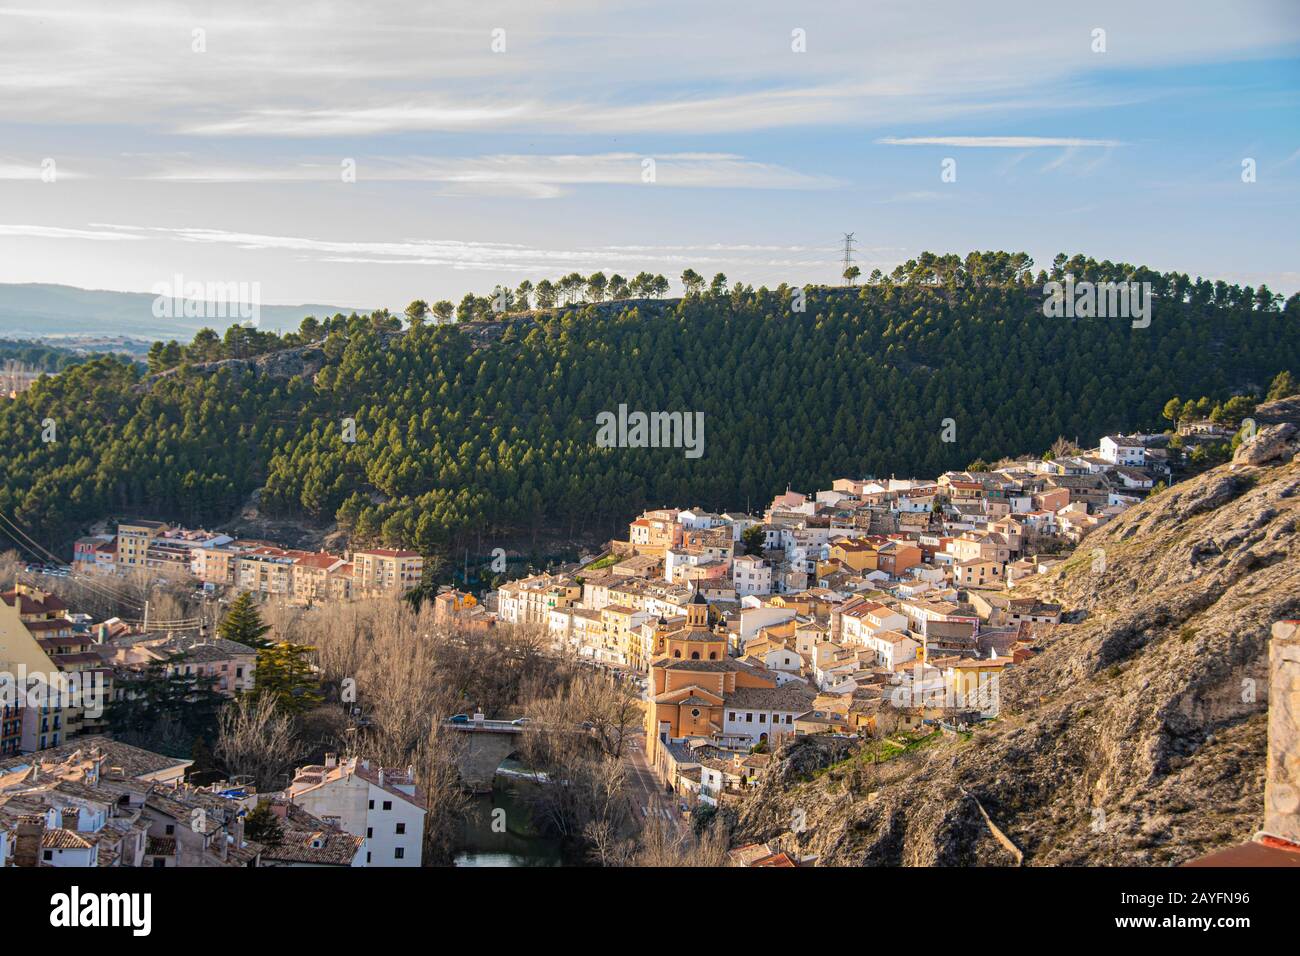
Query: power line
[[36, 550]]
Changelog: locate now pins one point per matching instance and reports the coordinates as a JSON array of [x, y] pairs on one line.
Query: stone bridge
[[487, 744]]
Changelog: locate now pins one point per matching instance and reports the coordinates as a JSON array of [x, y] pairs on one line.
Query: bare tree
[[254, 739], [437, 775], [661, 846]]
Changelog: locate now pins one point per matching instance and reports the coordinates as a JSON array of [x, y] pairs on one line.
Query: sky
[[366, 155]]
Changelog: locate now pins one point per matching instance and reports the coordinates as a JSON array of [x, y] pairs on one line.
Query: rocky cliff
[[304, 360], [1136, 736]]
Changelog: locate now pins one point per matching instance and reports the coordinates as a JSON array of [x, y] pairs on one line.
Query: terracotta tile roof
[[321, 562], [61, 839], [30, 605], [134, 761], [160, 846], [788, 697], [323, 847]]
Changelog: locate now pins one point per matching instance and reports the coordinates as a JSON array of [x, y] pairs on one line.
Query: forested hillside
[[480, 427]]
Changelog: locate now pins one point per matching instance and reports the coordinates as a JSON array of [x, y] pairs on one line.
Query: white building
[[782, 659], [892, 648], [859, 622], [694, 519], [750, 574], [1123, 450], [763, 713], [381, 805]]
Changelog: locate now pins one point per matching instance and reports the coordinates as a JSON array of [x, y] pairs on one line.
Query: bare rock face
[[1272, 443], [304, 360], [1137, 736], [1282, 791], [1278, 411]]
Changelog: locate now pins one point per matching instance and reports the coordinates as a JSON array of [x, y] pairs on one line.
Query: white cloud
[[999, 142], [497, 256], [288, 70], [537, 176], [59, 232]]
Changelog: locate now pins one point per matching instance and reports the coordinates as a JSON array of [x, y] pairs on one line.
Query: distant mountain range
[[42, 311]]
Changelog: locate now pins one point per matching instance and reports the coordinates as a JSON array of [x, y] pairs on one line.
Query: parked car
[[519, 721], [459, 719]]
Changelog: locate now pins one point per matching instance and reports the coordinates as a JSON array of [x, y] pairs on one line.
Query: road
[[649, 798]]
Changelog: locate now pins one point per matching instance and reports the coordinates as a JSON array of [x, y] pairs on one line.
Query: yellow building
[[857, 554], [621, 625], [974, 684], [384, 571], [133, 541], [20, 652]]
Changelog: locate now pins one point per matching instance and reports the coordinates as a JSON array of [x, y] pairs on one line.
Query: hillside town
[[877, 609]]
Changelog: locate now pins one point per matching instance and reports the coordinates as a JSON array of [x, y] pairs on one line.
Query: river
[[514, 841]]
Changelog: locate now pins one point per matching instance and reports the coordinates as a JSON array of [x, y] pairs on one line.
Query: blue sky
[[476, 166]]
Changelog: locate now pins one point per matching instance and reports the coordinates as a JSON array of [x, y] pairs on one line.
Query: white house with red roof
[[382, 805]]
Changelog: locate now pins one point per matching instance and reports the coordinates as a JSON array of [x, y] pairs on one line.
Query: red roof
[[1264, 850], [322, 562], [29, 605]]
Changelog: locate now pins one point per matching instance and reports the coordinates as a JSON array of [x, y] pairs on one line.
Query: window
[[762, 718], [169, 829], [159, 862], [367, 856], [749, 718], [48, 855], [372, 804], [388, 804], [370, 832], [401, 828], [732, 716], [399, 853]]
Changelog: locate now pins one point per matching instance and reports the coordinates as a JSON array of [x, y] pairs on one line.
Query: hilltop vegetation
[[470, 429], [38, 355]]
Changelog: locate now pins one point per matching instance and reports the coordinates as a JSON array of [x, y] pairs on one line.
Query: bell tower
[[697, 611]]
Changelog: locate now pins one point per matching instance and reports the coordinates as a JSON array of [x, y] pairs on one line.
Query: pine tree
[[284, 672], [1283, 386], [243, 623], [262, 826]]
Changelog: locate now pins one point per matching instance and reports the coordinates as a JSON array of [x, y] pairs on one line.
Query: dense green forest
[[460, 437], [37, 355]]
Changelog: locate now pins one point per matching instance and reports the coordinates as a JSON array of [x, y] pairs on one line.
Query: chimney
[[70, 817], [27, 846], [1282, 785], [381, 778]]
